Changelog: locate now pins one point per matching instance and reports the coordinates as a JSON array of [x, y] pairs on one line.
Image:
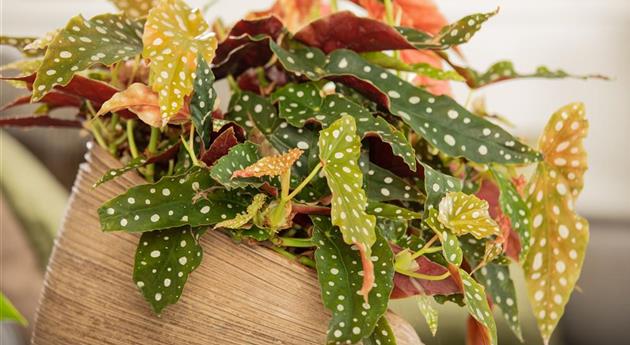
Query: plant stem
[[425, 276], [189, 145], [308, 179], [426, 248], [301, 259], [295, 242], [151, 149], [306, 261], [131, 123], [134, 70], [389, 12]]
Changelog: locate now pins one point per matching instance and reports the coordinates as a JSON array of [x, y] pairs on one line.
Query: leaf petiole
[[426, 249], [304, 183], [294, 242], [425, 276], [130, 138], [151, 149]]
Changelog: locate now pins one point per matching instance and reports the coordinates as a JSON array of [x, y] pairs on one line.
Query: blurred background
[[37, 166]]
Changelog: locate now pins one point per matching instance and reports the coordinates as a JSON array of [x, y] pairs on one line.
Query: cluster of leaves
[[326, 153]]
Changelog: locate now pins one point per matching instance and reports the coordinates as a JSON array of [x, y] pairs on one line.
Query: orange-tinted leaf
[[294, 13], [270, 165], [142, 101], [173, 36], [559, 235]]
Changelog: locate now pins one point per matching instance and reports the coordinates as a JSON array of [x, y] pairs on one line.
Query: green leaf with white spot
[[202, 100], [392, 229], [239, 157], [444, 123], [241, 219], [450, 243], [339, 271], [515, 208], [477, 304], [382, 334], [390, 211], [164, 260], [252, 111], [174, 36], [190, 199], [339, 151], [449, 36], [383, 185], [300, 103], [467, 214], [437, 184], [421, 69], [113, 173], [21, 44], [496, 279], [104, 39], [429, 312]]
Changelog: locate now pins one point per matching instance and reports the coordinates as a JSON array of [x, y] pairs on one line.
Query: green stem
[[189, 145], [131, 123], [295, 242], [389, 12], [114, 122], [301, 259], [151, 149], [306, 261], [426, 248], [425, 276], [304, 183]]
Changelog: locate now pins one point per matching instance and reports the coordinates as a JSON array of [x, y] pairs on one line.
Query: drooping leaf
[[382, 334], [517, 211], [38, 121], [21, 43], [241, 219], [202, 101], [174, 36], [104, 39], [498, 283], [467, 214], [504, 70], [450, 243], [559, 235], [340, 276], [477, 304], [339, 151], [8, 312], [135, 8], [173, 201], [299, 103], [164, 260], [437, 184], [136, 163], [270, 165], [429, 312], [239, 157], [142, 101], [446, 125]]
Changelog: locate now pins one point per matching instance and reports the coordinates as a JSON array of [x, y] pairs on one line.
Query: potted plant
[[340, 149]]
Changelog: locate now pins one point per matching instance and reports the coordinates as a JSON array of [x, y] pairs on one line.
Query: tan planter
[[239, 294]]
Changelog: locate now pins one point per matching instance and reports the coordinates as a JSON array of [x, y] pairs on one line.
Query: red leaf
[[220, 146], [53, 99], [239, 51], [39, 121], [346, 30], [476, 333]]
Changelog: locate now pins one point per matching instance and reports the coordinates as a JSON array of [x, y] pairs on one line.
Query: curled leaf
[[241, 219], [270, 165], [467, 214]]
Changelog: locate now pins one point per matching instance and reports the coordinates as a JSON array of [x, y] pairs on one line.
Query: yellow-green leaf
[[173, 37], [243, 218], [134, 8], [467, 214], [559, 235]]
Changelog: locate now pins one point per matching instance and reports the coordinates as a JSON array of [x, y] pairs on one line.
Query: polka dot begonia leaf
[[135, 8], [171, 202], [390, 211], [238, 158], [339, 270], [382, 334], [254, 112], [302, 103], [429, 312], [559, 235], [449, 36], [444, 123], [202, 100], [241, 219], [517, 211], [392, 229], [41, 43], [451, 248], [436, 185], [111, 174], [477, 304], [103, 39], [270, 165], [173, 37], [421, 69], [164, 260], [21, 44], [504, 70], [382, 185], [339, 151], [466, 214]]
